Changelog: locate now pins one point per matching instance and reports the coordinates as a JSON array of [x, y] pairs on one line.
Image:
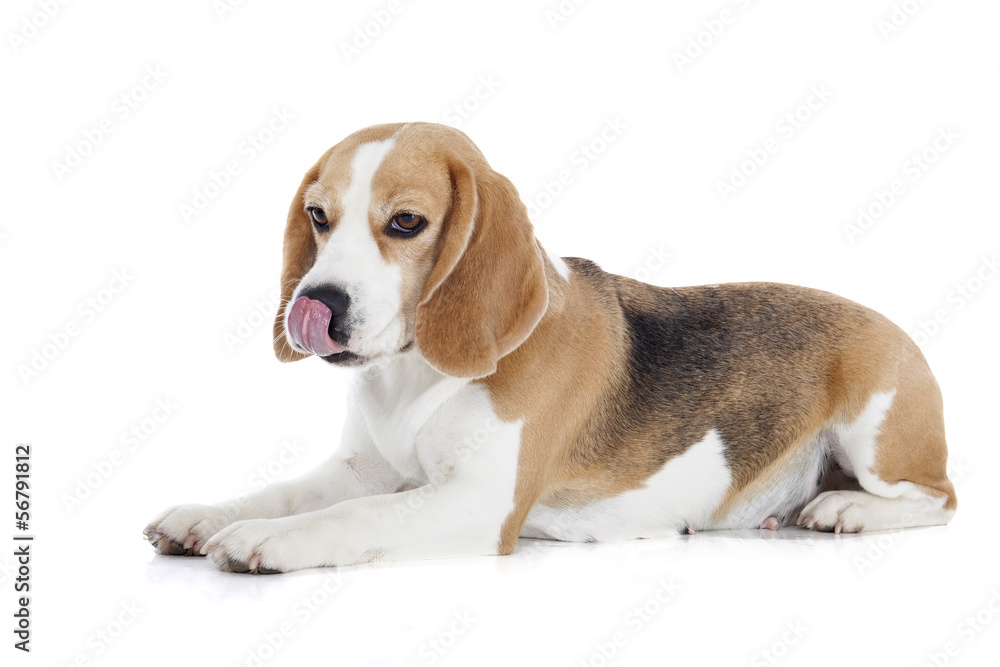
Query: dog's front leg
[[356, 470], [460, 512], [455, 518]]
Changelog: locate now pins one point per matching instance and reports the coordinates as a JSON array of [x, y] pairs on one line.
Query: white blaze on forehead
[[351, 259], [367, 160], [352, 237]]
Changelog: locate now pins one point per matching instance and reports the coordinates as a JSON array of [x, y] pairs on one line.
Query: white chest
[[403, 404]]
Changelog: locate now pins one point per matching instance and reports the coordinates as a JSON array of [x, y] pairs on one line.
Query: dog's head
[[403, 236]]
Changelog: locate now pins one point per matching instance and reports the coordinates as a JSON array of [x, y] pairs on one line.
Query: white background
[[193, 287]]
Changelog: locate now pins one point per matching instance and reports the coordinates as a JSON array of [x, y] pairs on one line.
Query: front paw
[[183, 530], [257, 546]]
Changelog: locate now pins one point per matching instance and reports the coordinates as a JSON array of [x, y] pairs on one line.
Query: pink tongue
[[309, 324]]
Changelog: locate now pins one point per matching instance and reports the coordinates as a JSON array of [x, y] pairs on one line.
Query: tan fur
[[553, 381], [911, 444], [487, 289]]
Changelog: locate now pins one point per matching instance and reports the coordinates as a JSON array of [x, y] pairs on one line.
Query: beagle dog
[[503, 392]]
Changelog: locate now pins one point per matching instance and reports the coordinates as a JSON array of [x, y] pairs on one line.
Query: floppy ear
[[487, 291], [299, 255]]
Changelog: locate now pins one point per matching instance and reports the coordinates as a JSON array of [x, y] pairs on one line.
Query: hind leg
[[896, 450]]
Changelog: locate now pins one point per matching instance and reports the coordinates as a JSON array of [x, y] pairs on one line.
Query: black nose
[[338, 302]]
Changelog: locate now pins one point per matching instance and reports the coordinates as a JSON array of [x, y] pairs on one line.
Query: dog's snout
[[333, 298]]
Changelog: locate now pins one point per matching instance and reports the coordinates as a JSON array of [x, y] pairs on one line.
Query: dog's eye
[[406, 223], [318, 218]]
